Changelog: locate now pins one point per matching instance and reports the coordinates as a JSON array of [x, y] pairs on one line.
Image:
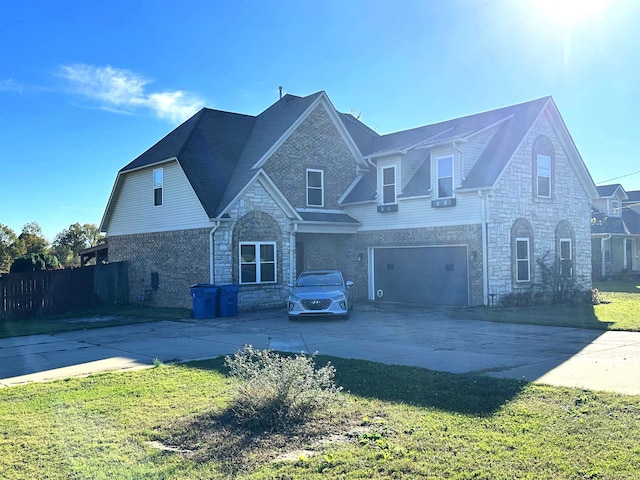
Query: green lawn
[[397, 422], [621, 311]]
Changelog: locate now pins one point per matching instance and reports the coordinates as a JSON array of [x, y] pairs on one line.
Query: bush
[[276, 392]]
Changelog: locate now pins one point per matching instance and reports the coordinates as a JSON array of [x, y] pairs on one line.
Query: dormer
[[611, 199]]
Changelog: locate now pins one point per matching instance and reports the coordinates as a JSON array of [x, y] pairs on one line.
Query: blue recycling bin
[[204, 298], [228, 300]]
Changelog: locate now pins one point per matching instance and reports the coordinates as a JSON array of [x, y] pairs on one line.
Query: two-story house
[[615, 231], [453, 213]]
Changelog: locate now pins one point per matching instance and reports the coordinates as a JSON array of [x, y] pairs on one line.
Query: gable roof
[[607, 191], [513, 122]]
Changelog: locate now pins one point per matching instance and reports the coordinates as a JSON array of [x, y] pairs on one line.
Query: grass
[[93, 318], [397, 422], [621, 311]]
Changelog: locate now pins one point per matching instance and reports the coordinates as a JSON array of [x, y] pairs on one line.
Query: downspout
[[212, 275], [485, 254], [292, 246], [602, 259]]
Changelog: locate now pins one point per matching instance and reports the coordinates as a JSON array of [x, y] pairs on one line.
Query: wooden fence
[[29, 295]]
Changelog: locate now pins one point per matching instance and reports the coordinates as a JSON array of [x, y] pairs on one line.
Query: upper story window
[[158, 179], [616, 208], [445, 176], [543, 167], [389, 185], [257, 262], [315, 188], [543, 176]]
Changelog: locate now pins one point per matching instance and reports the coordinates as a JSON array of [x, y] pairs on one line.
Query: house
[[615, 231], [453, 213]]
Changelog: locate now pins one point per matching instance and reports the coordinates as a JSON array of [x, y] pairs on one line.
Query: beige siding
[[134, 211], [417, 213]]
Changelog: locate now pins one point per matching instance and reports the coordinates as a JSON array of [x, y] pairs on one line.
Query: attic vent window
[[158, 175]]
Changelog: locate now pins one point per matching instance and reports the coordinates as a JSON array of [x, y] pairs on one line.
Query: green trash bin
[[204, 299], [228, 300]]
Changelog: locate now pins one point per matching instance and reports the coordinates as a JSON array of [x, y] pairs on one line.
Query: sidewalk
[[589, 359]]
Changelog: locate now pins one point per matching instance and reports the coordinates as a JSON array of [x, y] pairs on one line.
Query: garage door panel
[[428, 275]]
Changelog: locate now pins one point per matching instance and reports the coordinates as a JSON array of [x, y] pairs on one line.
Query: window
[[315, 188], [615, 208], [445, 177], [258, 262], [522, 260], [388, 185], [544, 176], [565, 258], [157, 186]]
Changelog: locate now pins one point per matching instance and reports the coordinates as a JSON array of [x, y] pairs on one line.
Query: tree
[[70, 241], [9, 248], [31, 240]]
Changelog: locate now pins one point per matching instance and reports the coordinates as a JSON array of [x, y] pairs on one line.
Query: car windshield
[[330, 279]]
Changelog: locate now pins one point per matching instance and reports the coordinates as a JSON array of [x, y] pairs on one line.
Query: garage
[[428, 275]]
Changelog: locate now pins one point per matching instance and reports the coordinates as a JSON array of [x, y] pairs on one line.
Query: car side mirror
[[349, 283], [290, 285]]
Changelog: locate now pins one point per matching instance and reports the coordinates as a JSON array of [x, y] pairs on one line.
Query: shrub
[[276, 392]]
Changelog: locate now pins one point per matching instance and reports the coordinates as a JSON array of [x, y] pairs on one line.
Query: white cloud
[[10, 85], [122, 90]]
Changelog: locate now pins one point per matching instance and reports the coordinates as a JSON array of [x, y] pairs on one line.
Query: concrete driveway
[[426, 338]]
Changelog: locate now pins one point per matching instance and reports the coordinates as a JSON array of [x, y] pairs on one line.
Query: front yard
[[168, 422], [620, 310], [396, 422]]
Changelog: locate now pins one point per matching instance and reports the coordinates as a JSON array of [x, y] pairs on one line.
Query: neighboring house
[[453, 213], [615, 231]]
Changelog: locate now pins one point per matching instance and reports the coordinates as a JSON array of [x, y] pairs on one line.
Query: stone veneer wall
[[469, 235], [254, 217], [180, 257], [513, 198]]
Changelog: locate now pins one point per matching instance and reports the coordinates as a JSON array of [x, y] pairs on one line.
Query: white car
[[320, 292]]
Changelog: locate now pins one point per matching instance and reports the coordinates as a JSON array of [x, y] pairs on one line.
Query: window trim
[[452, 176], [564, 240], [538, 176], [257, 263], [321, 188], [158, 202], [527, 260], [394, 184]]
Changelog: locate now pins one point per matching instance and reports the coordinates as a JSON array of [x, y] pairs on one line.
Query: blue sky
[[86, 86]]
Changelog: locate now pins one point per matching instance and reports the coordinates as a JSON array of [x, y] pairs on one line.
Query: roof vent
[[280, 89]]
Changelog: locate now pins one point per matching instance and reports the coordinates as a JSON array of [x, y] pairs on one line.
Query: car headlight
[[340, 297], [293, 298]]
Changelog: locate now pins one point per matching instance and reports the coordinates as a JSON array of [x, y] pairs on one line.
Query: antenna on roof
[[280, 89]]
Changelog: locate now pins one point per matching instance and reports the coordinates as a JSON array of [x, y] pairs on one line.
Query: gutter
[[485, 248], [212, 274]]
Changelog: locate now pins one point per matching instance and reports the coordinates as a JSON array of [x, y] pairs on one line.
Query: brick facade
[[181, 258]]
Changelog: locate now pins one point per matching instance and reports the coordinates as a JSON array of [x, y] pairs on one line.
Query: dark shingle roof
[[608, 190], [601, 223], [634, 196], [327, 217], [631, 220]]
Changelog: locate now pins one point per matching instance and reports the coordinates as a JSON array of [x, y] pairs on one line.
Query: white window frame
[[616, 208], [158, 184], [258, 262], [394, 184], [570, 258], [438, 177], [321, 188], [527, 260], [538, 176]]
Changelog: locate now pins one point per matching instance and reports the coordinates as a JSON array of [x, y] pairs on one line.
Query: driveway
[[426, 338]]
